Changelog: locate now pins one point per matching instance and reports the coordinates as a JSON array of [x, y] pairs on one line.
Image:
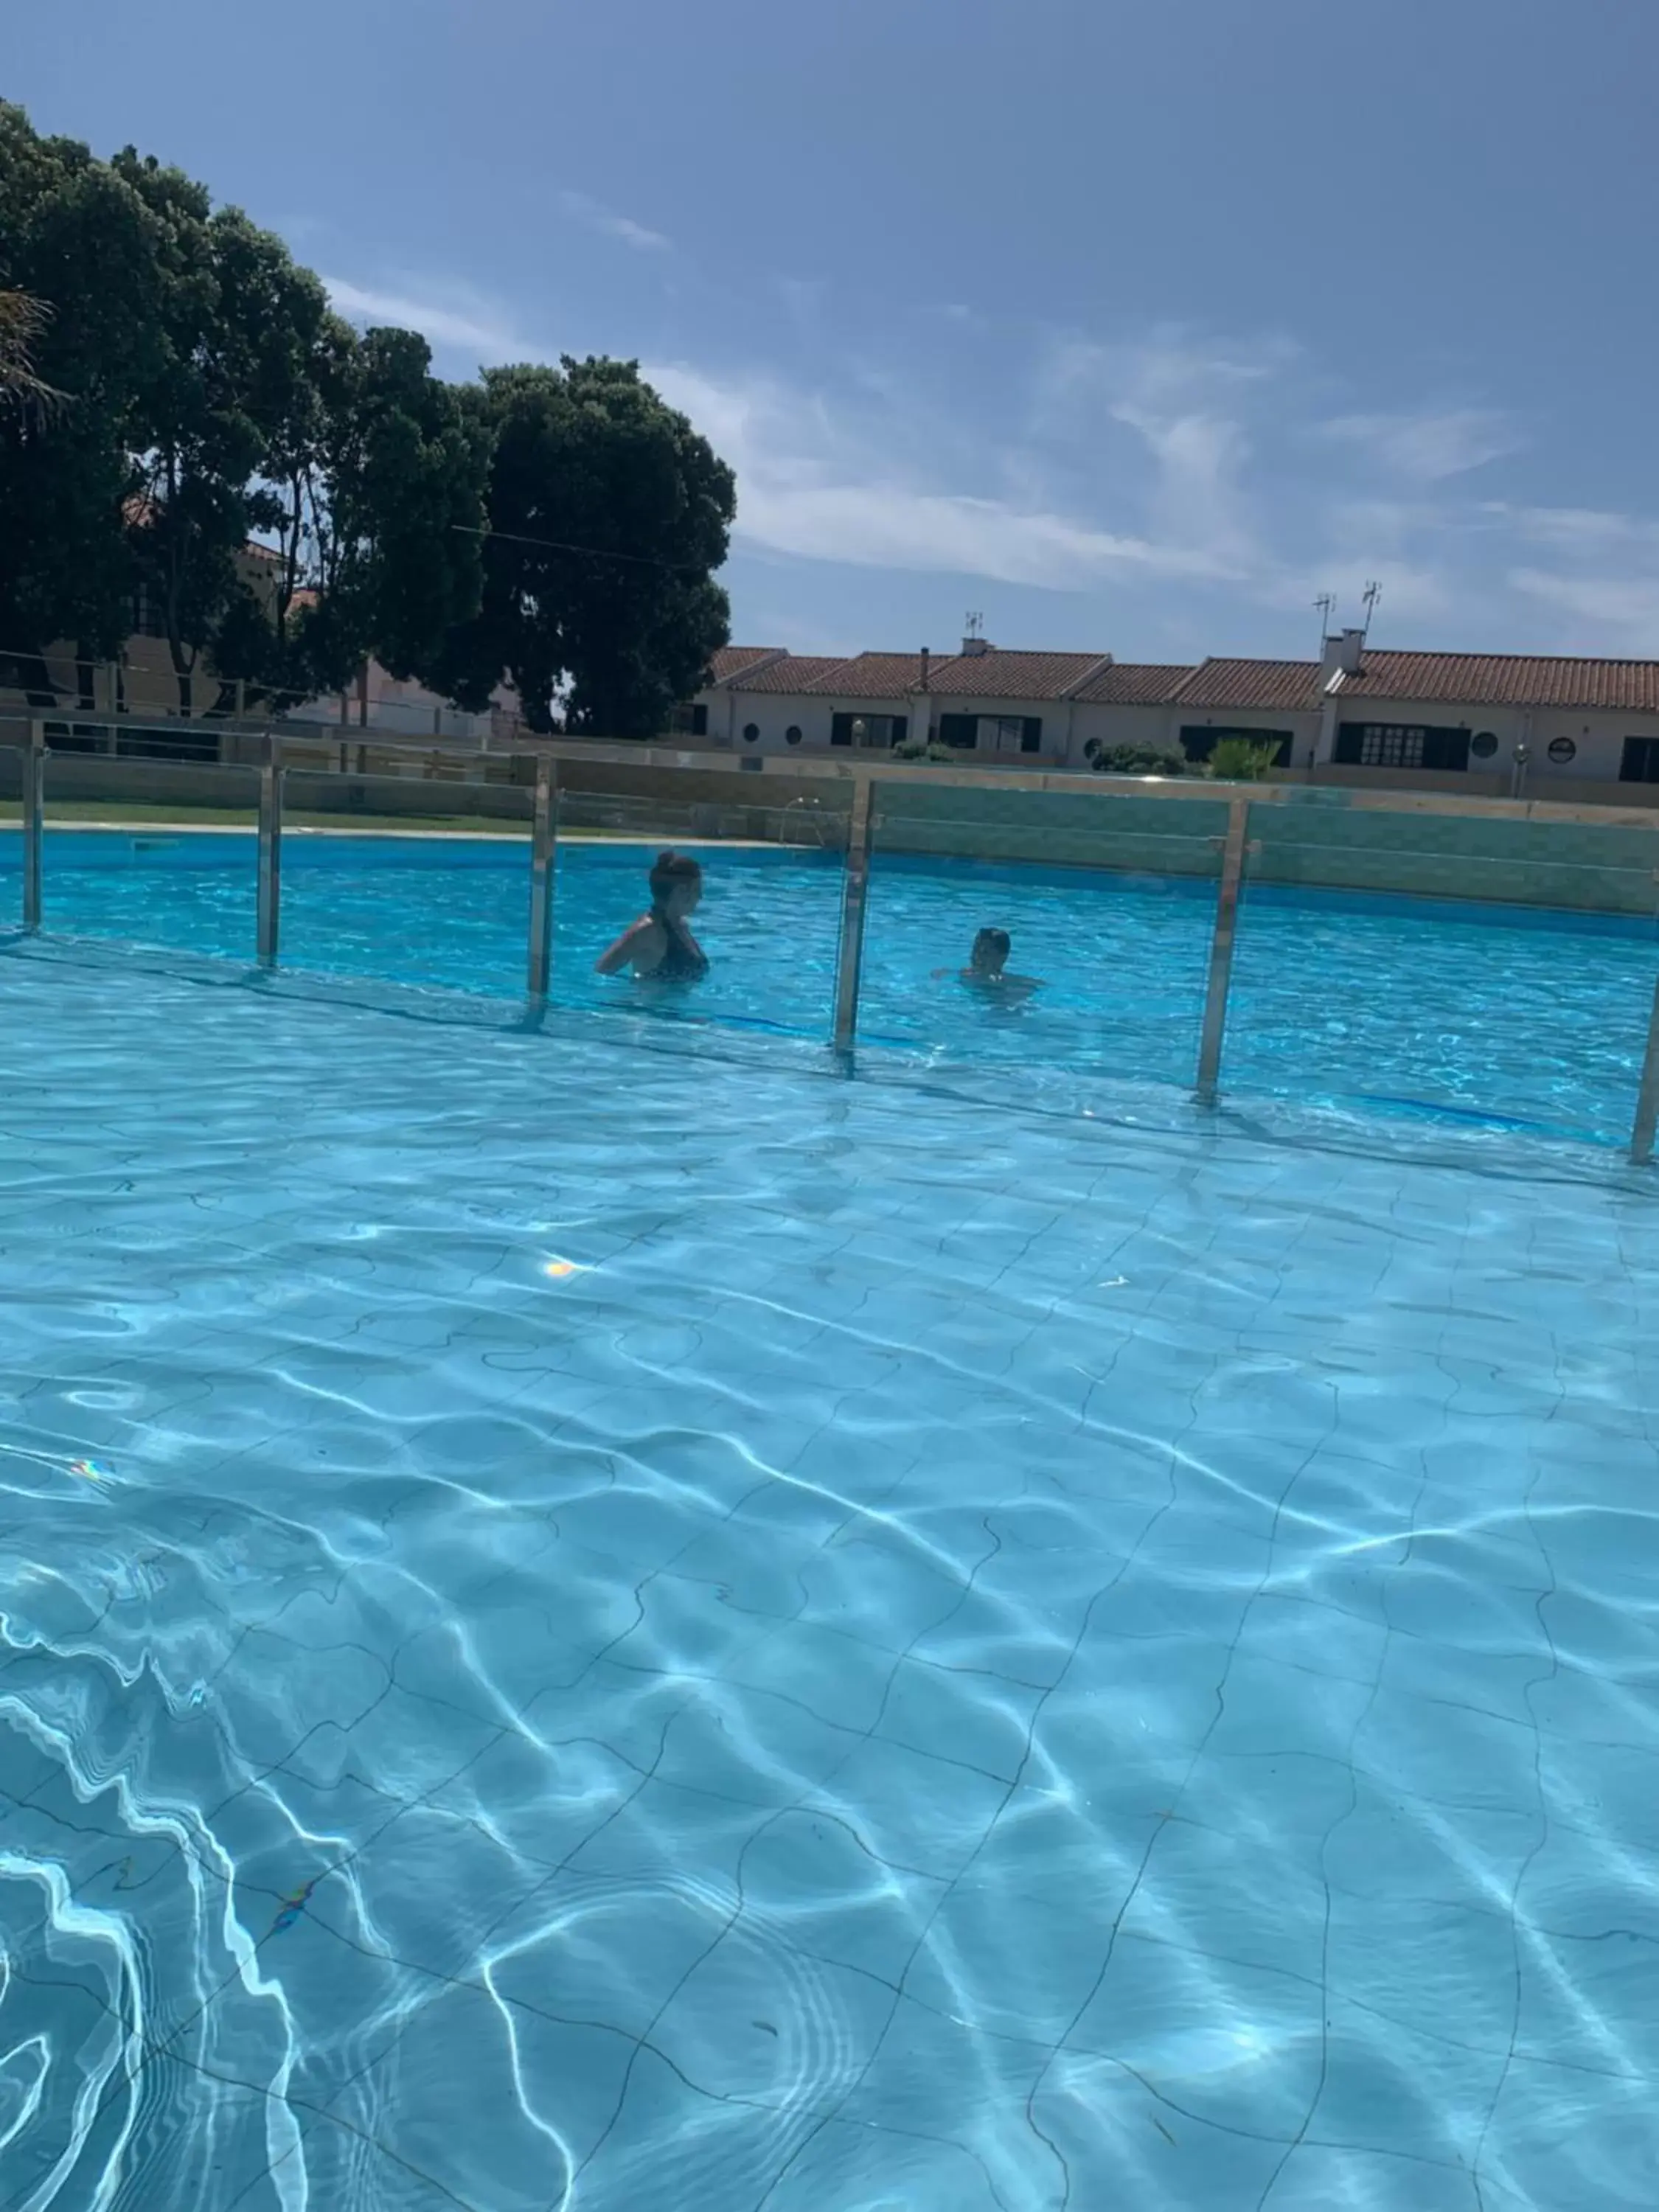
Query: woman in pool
[[660, 944]]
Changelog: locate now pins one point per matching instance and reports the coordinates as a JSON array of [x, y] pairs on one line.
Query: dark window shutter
[[1030, 739], [1350, 738], [961, 730], [841, 729], [700, 722], [900, 727], [1446, 749]]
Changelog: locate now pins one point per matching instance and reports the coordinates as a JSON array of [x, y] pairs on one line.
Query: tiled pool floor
[[592, 1627]]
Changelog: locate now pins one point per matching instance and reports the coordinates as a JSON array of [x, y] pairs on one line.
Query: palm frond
[[23, 320]]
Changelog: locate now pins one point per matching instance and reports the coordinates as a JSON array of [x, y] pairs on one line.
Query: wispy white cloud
[[810, 486], [1184, 399], [460, 320], [1612, 612], [609, 224], [1580, 533], [1429, 446]]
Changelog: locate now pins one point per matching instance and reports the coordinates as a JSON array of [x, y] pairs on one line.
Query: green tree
[[74, 238], [374, 508], [214, 399], [608, 516], [237, 326]]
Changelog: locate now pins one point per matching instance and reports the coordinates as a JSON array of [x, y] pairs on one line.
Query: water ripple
[[558, 1649]]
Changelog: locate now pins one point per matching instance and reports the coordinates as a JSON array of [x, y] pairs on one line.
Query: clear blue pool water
[[595, 1615], [1394, 1005]]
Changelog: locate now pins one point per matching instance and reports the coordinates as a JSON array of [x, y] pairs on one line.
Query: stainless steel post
[[1647, 1098], [270, 851], [34, 786], [849, 961], [543, 851], [1221, 951]]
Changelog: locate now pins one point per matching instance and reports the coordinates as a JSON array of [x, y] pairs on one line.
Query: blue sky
[[1133, 326]]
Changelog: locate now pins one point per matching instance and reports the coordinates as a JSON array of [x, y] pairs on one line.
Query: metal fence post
[[849, 960], [34, 787], [543, 851], [1221, 951], [270, 851], [1647, 1098]]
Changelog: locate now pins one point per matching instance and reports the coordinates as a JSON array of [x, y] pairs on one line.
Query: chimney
[[972, 647], [1343, 654], [922, 685]]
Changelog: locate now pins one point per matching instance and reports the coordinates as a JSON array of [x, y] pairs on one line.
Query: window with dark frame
[[869, 732], [1402, 745], [1639, 762], [998, 733]]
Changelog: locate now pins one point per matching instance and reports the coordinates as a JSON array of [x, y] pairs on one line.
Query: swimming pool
[[1393, 1006], [620, 1621]]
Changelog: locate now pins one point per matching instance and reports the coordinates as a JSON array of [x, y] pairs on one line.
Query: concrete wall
[[1066, 726], [773, 712], [1118, 726]]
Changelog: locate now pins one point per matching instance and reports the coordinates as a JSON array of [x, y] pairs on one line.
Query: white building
[[1487, 723]]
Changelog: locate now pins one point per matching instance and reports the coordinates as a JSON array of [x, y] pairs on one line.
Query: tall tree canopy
[[608, 516], [555, 527]]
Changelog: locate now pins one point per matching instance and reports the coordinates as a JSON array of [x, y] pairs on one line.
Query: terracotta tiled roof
[[1474, 679], [878, 676], [1011, 675], [1284, 685], [731, 660], [1506, 679], [1135, 684], [796, 671]]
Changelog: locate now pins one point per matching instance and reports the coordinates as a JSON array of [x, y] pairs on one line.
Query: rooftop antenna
[[975, 625], [1371, 594], [1326, 604]]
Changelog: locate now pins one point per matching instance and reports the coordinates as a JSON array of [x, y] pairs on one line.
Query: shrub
[[1136, 760], [1242, 760]]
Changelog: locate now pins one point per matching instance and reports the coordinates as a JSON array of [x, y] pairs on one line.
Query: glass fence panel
[[411, 867], [1108, 902], [1480, 968], [161, 852], [769, 910], [1489, 968]]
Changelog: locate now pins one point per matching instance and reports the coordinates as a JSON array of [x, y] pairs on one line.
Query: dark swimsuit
[[680, 961]]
